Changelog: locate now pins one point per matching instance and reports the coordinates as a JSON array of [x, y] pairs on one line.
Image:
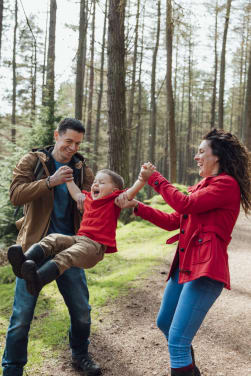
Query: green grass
[[141, 247]]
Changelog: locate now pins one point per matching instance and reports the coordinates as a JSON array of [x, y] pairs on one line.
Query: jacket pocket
[[19, 223], [202, 248]]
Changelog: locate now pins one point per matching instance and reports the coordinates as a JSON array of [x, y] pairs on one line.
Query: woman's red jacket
[[205, 217]]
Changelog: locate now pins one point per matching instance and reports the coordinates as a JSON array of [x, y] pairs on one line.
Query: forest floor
[[127, 342]]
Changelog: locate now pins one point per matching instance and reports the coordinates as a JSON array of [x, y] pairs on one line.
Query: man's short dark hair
[[116, 178], [70, 123]]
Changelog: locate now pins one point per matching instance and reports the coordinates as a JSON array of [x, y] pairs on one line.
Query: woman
[[206, 218]]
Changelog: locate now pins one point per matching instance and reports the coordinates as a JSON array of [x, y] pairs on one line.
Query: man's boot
[[37, 278], [16, 257], [87, 366]]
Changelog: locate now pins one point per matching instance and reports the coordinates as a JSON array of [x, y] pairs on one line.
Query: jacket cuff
[[138, 209], [155, 179]]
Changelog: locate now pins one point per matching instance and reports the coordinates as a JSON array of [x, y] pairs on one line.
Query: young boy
[[95, 236]]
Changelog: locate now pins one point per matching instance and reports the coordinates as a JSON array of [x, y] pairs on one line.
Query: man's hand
[[147, 169], [80, 202], [62, 175], [123, 202]]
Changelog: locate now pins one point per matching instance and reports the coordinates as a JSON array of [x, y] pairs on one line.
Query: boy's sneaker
[[87, 366]]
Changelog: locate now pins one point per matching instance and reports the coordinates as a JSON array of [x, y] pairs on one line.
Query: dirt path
[[127, 342]]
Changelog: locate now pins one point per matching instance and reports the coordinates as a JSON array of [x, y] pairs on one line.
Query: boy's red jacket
[[206, 218]]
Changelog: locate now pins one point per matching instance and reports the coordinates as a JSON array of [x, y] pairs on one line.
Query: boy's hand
[[147, 169], [80, 202]]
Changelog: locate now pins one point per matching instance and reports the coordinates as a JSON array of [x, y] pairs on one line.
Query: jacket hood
[[45, 154]]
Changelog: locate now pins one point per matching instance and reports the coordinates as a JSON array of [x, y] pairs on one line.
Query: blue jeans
[[73, 287], [182, 311]]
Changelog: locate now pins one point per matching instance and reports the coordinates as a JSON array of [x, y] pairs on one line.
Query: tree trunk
[[169, 93], [88, 134], [100, 95], [14, 79], [1, 26], [138, 139], [189, 125], [213, 105], [132, 91], [182, 162], [222, 67], [33, 81], [44, 62], [248, 107], [118, 139], [153, 107], [79, 87], [50, 79]]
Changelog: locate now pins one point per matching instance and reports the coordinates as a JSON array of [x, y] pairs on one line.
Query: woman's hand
[[123, 202], [147, 169], [80, 202]]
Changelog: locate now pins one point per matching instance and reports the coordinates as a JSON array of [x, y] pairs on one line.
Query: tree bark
[[88, 135], [213, 105], [14, 79], [33, 81], [100, 95], [132, 91], [222, 67], [1, 25], [118, 139], [79, 87], [138, 139], [248, 107], [50, 79], [190, 110], [169, 93], [153, 107], [44, 60]]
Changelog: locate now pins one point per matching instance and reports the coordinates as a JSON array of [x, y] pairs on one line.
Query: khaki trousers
[[69, 251]]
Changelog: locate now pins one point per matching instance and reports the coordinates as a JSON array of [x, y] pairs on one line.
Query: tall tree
[[222, 66], [138, 139], [14, 78], [44, 60], [169, 92], [118, 156], [50, 79], [100, 94], [153, 105], [88, 135], [1, 25], [81, 54], [190, 110], [213, 104], [133, 83], [247, 126]]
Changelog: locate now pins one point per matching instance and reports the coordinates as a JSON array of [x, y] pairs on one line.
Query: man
[[38, 184]]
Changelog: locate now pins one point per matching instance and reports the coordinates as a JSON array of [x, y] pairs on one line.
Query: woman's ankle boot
[[196, 369], [37, 278], [16, 256], [185, 371]]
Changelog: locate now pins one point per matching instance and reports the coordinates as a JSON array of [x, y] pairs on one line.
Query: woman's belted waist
[[206, 228]]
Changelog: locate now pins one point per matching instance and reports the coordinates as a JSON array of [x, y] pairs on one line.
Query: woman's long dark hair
[[233, 160]]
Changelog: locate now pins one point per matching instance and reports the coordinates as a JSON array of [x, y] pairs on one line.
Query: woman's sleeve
[[221, 192], [166, 221]]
